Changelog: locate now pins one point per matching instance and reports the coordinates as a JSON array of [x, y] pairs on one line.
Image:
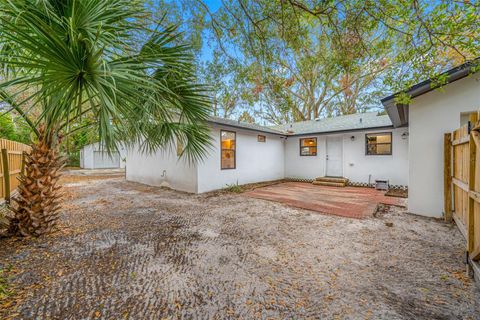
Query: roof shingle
[[358, 121], [244, 125], [349, 122]]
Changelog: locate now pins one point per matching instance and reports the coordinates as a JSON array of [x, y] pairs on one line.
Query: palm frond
[[103, 58]]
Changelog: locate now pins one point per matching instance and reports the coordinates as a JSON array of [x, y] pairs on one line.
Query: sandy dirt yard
[[129, 251]]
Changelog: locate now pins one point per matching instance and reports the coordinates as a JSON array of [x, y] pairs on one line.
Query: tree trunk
[[36, 207]]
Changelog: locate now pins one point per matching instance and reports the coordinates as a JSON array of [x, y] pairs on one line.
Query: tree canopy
[[302, 59]]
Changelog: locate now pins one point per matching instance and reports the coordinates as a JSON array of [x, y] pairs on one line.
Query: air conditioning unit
[[381, 184]]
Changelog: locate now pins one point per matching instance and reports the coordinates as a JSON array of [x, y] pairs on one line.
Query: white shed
[[93, 156]]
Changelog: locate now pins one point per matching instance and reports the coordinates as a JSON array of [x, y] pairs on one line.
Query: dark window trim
[[379, 133], [234, 151], [300, 147], [264, 138]]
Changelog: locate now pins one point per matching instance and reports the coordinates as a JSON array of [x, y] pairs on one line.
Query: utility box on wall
[[381, 184]]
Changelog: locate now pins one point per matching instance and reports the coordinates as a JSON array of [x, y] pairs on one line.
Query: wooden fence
[[462, 182], [11, 164]]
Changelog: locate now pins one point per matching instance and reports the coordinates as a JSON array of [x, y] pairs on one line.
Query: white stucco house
[[360, 147], [93, 156], [404, 147]]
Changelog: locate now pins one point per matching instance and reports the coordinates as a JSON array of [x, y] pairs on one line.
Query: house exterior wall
[[430, 117], [274, 159], [162, 168], [304, 167], [357, 166], [255, 161]]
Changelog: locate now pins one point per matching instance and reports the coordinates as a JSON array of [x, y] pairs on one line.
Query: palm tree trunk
[[36, 207]]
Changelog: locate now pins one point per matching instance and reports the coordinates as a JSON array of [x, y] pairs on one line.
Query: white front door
[[335, 156]]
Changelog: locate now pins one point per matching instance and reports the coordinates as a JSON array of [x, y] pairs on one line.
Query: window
[[228, 143], [378, 143], [308, 147], [261, 138]]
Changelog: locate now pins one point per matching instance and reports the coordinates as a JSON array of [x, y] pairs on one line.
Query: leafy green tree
[[7, 129], [312, 58], [77, 139], [230, 88], [14, 128], [246, 117], [103, 59]]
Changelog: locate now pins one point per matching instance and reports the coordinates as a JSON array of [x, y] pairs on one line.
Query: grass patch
[[234, 188], [237, 188], [5, 290], [400, 193]]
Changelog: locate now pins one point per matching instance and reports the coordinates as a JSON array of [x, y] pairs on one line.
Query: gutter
[[398, 113], [423, 87], [278, 133], [339, 131]]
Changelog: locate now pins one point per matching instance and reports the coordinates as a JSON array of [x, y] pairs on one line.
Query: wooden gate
[[11, 164], [462, 182]]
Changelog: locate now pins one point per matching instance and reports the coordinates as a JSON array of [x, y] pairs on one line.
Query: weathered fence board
[[462, 182], [11, 164]]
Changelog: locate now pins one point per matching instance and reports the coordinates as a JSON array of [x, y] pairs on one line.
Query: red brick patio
[[350, 202]]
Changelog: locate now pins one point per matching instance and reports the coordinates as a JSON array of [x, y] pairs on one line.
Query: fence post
[[6, 175], [23, 163], [447, 174], [471, 186]]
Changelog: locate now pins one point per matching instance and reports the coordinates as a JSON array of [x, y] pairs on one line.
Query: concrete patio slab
[[352, 202]]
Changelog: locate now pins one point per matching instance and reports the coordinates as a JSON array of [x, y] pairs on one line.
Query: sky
[[206, 55], [213, 4], [206, 52]]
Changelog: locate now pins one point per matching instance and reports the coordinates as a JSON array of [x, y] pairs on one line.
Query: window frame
[[234, 150], [300, 147], [379, 134], [260, 137]]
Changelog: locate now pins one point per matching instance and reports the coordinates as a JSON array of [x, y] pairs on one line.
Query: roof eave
[[341, 131], [278, 133], [303, 134], [423, 87], [398, 113]]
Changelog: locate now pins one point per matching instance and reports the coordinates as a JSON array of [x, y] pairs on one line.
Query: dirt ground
[[129, 251]]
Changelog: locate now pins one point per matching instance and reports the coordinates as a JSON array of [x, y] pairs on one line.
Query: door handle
[[327, 156]]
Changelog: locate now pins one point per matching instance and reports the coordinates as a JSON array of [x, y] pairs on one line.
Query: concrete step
[[329, 184], [332, 179]]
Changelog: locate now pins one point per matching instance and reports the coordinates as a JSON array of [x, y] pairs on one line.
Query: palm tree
[[63, 60]]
